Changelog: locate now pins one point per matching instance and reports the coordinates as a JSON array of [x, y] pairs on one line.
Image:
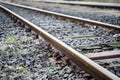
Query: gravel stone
[[27, 57], [74, 33], [104, 15]]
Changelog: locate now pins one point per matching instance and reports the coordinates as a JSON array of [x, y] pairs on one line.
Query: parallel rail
[[91, 4], [96, 56], [72, 18], [96, 70]]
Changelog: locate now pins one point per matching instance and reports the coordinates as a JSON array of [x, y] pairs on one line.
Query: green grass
[[22, 68], [99, 46], [85, 37], [114, 44], [7, 46], [11, 39], [53, 70]]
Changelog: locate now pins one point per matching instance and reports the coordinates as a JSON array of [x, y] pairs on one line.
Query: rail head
[[96, 70], [73, 18]]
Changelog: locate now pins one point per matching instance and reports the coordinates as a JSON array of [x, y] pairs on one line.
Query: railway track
[[110, 15], [73, 53], [25, 55], [82, 37]]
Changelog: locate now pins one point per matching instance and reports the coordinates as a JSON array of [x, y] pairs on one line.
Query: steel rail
[[88, 65], [73, 18], [91, 4]]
